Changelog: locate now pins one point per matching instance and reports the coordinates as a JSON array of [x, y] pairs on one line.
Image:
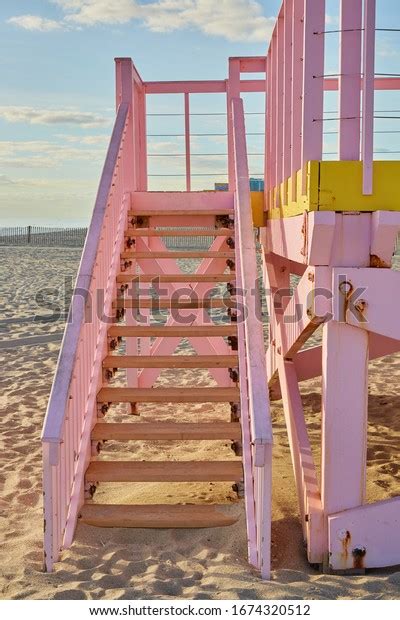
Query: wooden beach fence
[[332, 224]]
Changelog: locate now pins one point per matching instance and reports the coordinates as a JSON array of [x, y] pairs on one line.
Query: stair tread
[[177, 277], [173, 331], [158, 515], [149, 302], [168, 471], [178, 232], [168, 395], [166, 431], [174, 212], [170, 361], [177, 254]]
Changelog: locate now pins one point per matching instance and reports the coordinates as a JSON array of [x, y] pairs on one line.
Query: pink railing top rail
[[260, 420], [54, 420]]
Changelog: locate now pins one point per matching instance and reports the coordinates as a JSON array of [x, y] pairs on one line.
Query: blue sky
[[57, 95]]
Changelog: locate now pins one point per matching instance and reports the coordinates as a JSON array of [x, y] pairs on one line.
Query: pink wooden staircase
[[114, 351]]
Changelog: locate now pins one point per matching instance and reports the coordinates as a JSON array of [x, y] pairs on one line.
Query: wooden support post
[[344, 417]]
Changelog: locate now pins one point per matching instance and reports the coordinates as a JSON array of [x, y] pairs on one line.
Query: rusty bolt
[[360, 305]]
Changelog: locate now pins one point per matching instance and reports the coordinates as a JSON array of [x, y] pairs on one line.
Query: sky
[[57, 92]]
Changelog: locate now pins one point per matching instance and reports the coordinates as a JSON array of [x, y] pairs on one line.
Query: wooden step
[[179, 232], [129, 254], [170, 361], [165, 304], [178, 277], [179, 212], [164, 471], [157, 515], [173, 331], [168, 431], [169, 395]]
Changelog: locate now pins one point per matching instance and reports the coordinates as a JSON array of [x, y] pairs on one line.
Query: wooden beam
[[164, 471], [168, 395], [174, 331], [170, 361], [166, 431], [157, 516]]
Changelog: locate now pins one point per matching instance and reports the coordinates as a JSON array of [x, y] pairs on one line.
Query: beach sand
[[159, 564]]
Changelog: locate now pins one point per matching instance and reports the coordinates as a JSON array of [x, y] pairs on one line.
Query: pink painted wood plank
[[297, 88], [385, 227], [344, 415], [379, 290], [274, 107], [258, 392], [367, 146], [252, 64], [351, 243], [287, 89], [303, 462], [349, 80], [365, 537], [179, 200], [308, 363], [187, 141], [313, 84], [233, 91], [280, 30], [206, 86]]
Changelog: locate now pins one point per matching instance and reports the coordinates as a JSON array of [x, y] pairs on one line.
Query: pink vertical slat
[[279, 104], [297, 87], [368, 95], [187, 141], [287, 88], [350, 79], [268, 131], [313, 82], [274, 108]]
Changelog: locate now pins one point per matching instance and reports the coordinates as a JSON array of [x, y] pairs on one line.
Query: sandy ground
[[152, 564]]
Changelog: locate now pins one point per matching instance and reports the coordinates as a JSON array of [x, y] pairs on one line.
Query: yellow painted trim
[[257, 208], [336, 186]]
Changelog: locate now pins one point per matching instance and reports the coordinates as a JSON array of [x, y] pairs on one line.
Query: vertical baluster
[[313, 83], [368, 95], [279, 105], [287, 93], [350, 79], [297, 87], [274, 112], [187, 141], [268, 130]]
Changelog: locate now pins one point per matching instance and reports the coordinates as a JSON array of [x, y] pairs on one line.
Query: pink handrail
[[256, 421], [72, 402]]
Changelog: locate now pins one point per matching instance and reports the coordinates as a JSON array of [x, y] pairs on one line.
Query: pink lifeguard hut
[[333, 224]]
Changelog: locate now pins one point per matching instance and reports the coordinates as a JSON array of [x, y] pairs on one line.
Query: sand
[[152, 564]]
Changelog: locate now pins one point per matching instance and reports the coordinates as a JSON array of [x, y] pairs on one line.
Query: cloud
[[37, 116], [235, 20], [44, 154], [5, 180], [34, 22]]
